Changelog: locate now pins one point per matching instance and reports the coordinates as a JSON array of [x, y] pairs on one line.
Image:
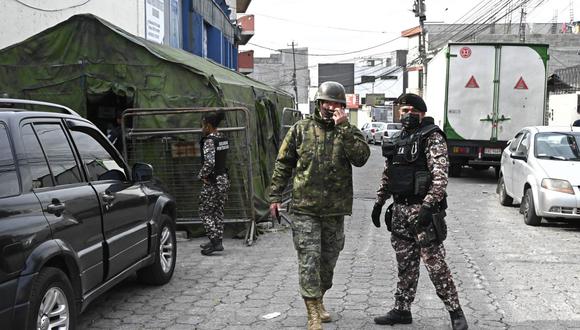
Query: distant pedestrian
[[576, 123], [215, 181], [415, 175], [321, 149]]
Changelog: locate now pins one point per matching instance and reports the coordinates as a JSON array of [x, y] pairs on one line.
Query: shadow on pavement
[[469, 175]]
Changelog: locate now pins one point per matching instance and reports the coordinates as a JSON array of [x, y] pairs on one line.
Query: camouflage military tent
[[85, 60]]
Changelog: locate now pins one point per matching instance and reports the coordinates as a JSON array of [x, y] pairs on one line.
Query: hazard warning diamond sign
[[472, 83], [521, 84]]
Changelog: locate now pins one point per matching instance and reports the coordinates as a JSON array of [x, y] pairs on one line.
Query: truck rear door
[[521, 90], [470, 92]]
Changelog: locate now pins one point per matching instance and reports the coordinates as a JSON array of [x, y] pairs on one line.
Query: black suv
[[74, 220]]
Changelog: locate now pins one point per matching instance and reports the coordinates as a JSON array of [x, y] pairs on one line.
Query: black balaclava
[[410, 120]]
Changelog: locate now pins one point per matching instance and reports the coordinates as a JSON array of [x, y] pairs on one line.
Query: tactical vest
[[408, 173], [221, 146]]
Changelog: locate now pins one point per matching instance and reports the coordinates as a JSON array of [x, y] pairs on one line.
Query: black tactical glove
[[425, 215], [376, 215]]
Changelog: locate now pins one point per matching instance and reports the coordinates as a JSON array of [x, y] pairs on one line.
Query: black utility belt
[[408, 200]]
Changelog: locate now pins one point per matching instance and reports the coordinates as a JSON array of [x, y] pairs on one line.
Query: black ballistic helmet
[[413, 100], [331, 91]]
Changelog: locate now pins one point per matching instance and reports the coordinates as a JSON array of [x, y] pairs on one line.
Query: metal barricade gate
[[174, 152]]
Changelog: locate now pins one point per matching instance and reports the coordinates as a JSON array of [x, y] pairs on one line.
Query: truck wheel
[[530, 216], [52, 303], [161, 271], [504, 198], [455, 170]]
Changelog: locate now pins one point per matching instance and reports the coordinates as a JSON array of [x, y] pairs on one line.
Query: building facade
[[207, 28], [277, 71]]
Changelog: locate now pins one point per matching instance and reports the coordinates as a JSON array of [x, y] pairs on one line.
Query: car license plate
[[492, 151]]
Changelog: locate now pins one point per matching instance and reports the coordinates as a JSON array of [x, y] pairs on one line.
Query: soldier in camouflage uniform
[[321, 149], [416, 175], [215, 182]]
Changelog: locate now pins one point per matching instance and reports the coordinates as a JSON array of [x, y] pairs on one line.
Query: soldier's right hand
[[275, 211], [376, 215]]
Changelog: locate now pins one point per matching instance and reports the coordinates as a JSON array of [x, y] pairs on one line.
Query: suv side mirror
[[142, 172], [519, 156]]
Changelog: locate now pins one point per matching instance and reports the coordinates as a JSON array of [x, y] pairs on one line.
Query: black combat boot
[[458, 321], [205, 245], [395, 316], [216, 245]]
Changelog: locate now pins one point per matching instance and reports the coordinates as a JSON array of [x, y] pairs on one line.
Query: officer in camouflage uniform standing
[[215, 182], [322, 149], [416, 175]]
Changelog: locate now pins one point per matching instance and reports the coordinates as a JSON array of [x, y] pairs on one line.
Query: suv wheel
[[51, 301], [504, 198], [530, 216], [161, 271]]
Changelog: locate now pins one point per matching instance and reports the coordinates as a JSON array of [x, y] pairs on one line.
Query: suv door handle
[[55, 207]]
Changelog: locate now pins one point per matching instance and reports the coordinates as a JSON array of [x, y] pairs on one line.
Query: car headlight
[[558, 185]]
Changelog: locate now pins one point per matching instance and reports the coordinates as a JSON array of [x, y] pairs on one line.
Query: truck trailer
[[481, 94]]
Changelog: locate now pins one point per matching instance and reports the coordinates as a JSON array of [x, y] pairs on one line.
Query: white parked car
[[540, 170], [386, 131], [369, 131]]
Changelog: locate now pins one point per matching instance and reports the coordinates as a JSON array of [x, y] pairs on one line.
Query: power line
[[336, 54]]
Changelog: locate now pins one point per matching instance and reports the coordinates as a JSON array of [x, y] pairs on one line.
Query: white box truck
[[481, 94], [564, 109]]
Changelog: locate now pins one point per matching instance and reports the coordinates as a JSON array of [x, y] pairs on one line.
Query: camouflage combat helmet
[[331, 91]]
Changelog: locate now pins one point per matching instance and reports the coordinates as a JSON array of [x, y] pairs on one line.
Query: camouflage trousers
[[318, 242], [404, 240], [211, 206]]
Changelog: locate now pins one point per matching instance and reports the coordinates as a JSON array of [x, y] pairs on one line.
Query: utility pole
[[419, 10], [522, 31], [294, 75]]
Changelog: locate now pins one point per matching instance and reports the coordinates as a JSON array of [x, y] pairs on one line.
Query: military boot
[[458, 321], [395, 316], [313, 311], [216, 245], [324, 315], [205, 245]]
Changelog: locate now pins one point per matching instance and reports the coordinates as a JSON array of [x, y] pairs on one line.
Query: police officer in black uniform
[[415, 175], [215, 181]]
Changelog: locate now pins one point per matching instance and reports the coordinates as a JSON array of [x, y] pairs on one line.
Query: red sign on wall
[[352, 101]]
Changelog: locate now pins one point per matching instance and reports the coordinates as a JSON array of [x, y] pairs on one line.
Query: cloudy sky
[[341, 26]]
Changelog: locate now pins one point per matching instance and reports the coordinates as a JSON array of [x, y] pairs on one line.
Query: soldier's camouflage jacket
[[323, 155]]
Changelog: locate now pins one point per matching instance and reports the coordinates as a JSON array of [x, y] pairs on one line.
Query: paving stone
[[509, 275]]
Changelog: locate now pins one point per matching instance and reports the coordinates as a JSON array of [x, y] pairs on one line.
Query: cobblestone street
[[509, 275]]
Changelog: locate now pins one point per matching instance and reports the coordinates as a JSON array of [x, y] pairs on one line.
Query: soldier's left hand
[[339, 116]]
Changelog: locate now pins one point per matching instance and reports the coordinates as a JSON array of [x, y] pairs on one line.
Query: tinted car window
[[515, 141], [525, 144], [39, 170], [60, 156], [97, 160], [394, 126], [8, 177]]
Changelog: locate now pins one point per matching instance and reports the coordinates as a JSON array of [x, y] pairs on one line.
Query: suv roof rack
[[62, 108]]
